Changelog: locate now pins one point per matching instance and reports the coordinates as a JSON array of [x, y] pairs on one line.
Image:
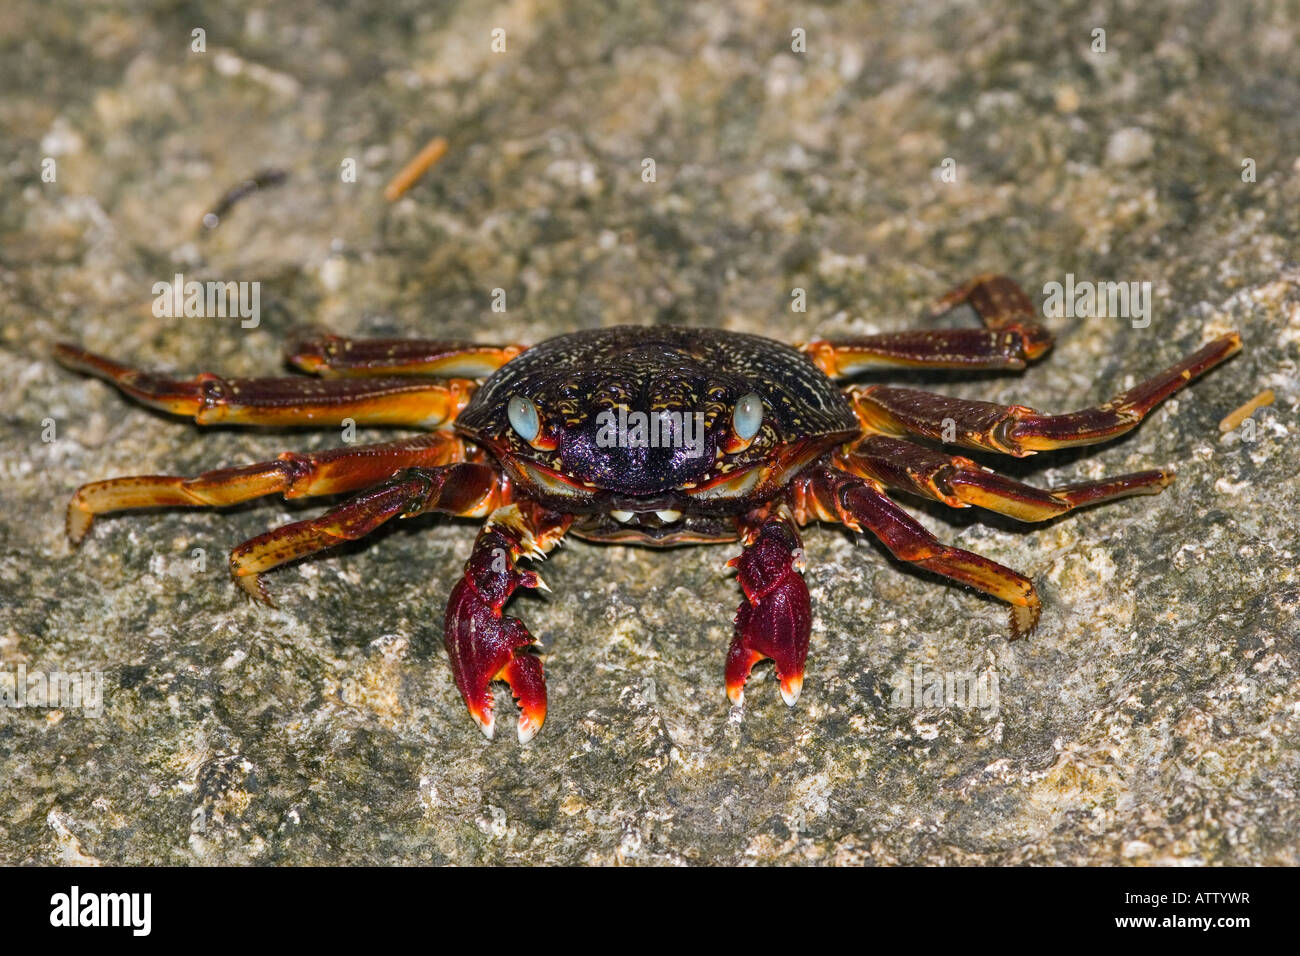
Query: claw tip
[[791, 689], [528, 729]]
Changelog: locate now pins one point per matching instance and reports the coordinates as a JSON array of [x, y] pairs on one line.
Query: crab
[[655, 436]]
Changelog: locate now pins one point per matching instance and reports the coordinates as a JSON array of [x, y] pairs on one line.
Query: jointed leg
[[333, 356], [775, 619], [1019, 430], [1011, 336], [292, 474], [997, 300], [485, 645], [467, 489], [827, 494], [960, 482], [210, 399]]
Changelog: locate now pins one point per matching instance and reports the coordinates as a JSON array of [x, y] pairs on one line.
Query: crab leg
[[333, 356], [485, 645], [467, 489], [292, 474], [827, 494], [210, 399], [998, 300], [775, 619], [959, 482], [1016, 429], [1011, 336]]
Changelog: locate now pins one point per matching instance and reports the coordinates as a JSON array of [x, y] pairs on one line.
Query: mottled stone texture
[[1152, 719]]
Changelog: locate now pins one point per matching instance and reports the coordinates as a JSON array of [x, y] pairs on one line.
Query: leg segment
[[484, 645], [827, 494], [292, 474], [998, 301], [210, 399], [775, 619], [959, 482], [467, 489], [1011, 336], [333, 356], [1016, 429]]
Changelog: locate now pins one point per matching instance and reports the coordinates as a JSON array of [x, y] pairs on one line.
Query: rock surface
[[1152, 719]]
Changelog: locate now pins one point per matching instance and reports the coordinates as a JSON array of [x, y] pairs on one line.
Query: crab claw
[[484, 645], [775, 619]]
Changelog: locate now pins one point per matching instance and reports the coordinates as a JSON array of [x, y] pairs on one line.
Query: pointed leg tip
[[77, 521], [1024, 620], [68, 353], [255, 589]]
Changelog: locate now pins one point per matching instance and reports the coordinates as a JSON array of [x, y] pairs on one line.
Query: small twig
[[409, 174], [1240, 415], [260, 180]]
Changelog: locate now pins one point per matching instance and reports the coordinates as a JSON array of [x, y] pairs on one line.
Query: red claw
[[775, 620], [485, 645]]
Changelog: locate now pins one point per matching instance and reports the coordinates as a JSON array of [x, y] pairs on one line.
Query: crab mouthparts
[[666, 515], [625, 508]]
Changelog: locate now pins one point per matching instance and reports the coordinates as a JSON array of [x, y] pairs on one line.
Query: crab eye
[[523, 417], [748, 416]]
